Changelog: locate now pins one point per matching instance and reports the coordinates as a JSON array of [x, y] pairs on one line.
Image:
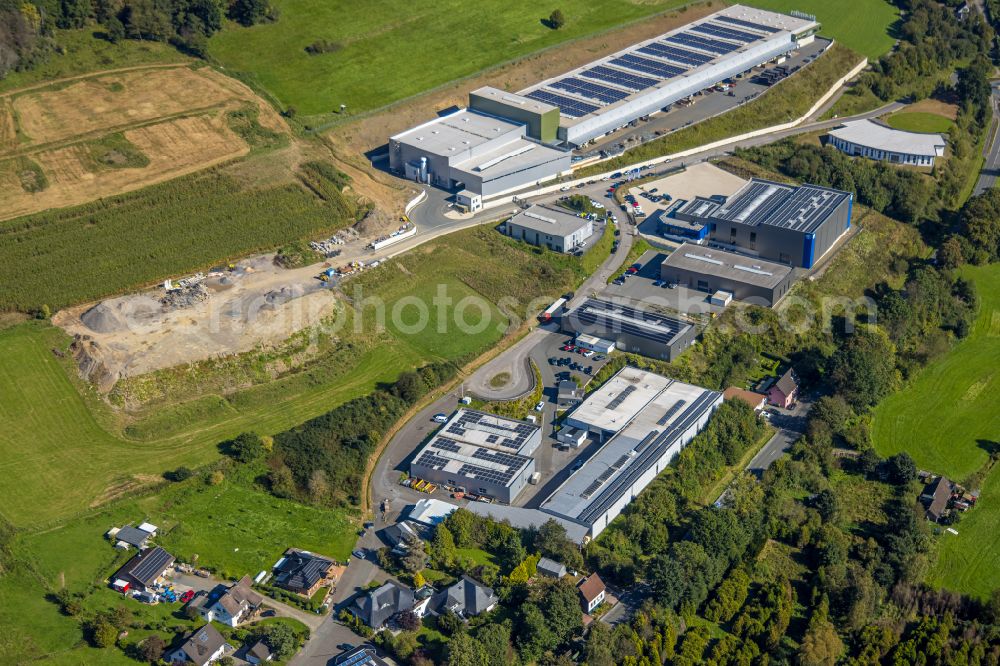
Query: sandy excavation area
[[229, 312]]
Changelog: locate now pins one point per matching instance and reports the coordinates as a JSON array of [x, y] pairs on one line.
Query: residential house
[[757, 401], [936, 496], [466, 598], [301, 572], [236, 605], [376, 607], [143, 571], [784, 391], [592, 592], [399, 536], [259, 653], [550, 568], [202, 647]]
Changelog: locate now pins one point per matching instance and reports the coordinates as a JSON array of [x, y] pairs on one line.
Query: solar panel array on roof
[[590, 90], [619, 78], [617, 401], [669, 414], [647, 66], [567, 105], [622, 318], [711, 45], [747, 24], [150, 565], [645, 460], [503, 432], [725, 33], [661, 50], [763, 202]]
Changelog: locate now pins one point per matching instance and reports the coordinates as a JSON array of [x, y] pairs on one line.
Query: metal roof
[[527, 518], [737, 267], [882, 137], [549, 220], [798, 208], [457, 132], [607, 319]]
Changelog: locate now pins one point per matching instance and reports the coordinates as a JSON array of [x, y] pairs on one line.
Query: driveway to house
[[791, 424]]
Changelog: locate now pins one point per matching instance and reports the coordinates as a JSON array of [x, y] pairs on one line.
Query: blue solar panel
[[620, 78], [661, 50], [710, 45], [568, 106], [747, 24], [590, 90], [725, 33], [647, 66]]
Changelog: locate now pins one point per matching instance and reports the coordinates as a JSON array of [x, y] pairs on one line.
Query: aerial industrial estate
[[618, 334]]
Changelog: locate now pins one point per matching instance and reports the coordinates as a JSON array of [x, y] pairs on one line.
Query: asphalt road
[[991, 167], [790, 424]]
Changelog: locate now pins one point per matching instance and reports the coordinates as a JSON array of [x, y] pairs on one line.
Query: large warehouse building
[[794, 225], [645, 420], [612, 92], [506, 141], [631, 329], [746, 278], [867, 138], [480, 453], [545, 226]]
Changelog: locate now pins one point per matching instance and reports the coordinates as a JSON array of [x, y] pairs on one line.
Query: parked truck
[[552, 310]]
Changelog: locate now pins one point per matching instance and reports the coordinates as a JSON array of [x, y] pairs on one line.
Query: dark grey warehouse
[[746, 278], [793, 225], [631, 329]]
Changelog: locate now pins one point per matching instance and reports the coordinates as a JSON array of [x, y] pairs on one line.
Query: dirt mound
[[88, 356], [102, 318], [376, 223]]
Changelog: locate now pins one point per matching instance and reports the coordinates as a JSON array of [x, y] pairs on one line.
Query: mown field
[[947, 417], [861, 25], [948, 420], [919, 121]]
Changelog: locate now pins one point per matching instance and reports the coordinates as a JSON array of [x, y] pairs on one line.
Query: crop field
[[947, 417], [105, 134]]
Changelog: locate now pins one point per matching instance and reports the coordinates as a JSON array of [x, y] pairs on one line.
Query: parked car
[[552, 360], [588, 353], [540, 406], [187, 596], [657, 283], [360, 554], [589, 370], [440, 418]]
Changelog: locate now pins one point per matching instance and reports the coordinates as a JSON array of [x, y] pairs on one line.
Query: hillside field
[[394, 50], [918, 121], [948, 420]]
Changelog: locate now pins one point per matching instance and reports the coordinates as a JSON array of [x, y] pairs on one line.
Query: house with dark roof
[[592, 592], [143, 570], [784, 391], [399, 536], [235, 605], [936, 496], [466, 598], [376, 607], [202, 647], [259, 653], [301, 572], [131, 536], [550, 568]]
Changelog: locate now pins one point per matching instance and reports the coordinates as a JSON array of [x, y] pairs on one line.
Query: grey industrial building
[[643, 420], [480, 453], [631, 329], [612, 92], [479, 152], [506, 141], [746, 278], [546, 226], [789, 224]]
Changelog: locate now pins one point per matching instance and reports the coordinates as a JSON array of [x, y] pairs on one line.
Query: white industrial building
[[506, 141], [644, 420], [546, 226], [866, 138], [612, 92]]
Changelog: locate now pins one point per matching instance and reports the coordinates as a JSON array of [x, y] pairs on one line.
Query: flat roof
[[614, 80], [514, 155], [668, 409], [549, 220], [471, 426], [764, 202], [514, 99], [618, 317], [463, 130], [876, 135], [720, 263]]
